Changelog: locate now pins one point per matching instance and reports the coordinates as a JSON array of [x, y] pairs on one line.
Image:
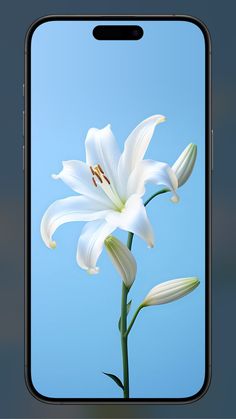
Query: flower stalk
[[134, 318], [156, 194], [124, 332], [124, 341]]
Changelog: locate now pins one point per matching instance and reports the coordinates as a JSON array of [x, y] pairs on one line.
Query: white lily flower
[[183, 166], [110, 186], [122, 259], [169, 291]]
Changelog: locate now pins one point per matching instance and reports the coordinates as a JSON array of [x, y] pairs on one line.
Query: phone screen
[[117, 151]]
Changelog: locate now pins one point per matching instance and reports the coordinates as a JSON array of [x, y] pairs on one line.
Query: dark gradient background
[[15, 400]]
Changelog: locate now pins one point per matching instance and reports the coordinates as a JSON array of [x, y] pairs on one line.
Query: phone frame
[[27, 207]]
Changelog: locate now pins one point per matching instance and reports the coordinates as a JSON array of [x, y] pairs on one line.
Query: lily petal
[[169, 291], [155, 172], [136, 145], [122, 259], [77, 175], [102, 148], [133, 218], [184, 165], [74, 208], [90, 244]]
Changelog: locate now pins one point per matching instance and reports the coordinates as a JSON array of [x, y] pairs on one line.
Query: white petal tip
[[93, 271], [174, 199], [52, 245], [159, 119], [56, 177]]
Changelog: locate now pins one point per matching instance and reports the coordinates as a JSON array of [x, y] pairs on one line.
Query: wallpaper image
[[118, 212]]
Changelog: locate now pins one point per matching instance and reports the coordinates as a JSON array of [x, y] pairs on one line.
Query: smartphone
[[117, 163]]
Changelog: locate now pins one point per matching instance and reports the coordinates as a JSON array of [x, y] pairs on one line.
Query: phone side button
[[23, 124], [23, 158], [212, 150]]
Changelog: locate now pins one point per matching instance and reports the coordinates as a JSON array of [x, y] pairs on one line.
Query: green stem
[[133, 319], [154, 195], [123, 322], [130, 240], [124, 343]]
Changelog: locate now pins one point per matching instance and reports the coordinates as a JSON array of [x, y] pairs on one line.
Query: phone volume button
[[23, 158], [23, 124], [212, 150]]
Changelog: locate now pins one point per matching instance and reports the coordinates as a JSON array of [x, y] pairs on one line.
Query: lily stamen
[[93, 173], [107, 180], [98, 176], [100, 169], [94, 182], [107, 186]]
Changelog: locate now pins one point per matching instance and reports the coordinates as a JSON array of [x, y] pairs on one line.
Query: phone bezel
[[27, 212]]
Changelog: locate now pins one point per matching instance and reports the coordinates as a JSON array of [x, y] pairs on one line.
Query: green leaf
[[115, 378], [127, 312]]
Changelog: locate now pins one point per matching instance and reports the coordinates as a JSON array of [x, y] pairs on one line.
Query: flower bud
[[122, 259], [183, 166], [169, 291]]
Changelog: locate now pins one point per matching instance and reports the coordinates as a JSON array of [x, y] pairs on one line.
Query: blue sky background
[[79, 83]]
